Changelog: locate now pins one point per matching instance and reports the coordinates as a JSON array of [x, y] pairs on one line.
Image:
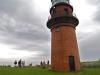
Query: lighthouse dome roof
[[59, 1]]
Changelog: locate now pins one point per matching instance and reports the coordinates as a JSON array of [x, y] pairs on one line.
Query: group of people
[[43, 64], [20, 63]]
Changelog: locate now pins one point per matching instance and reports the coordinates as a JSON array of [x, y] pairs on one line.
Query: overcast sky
[[24, 35]]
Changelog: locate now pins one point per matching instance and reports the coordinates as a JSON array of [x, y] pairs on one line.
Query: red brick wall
[[64, 44]]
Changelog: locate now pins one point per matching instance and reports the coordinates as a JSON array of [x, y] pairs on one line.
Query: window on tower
[[65, 10], [57, 29], [53, 12]]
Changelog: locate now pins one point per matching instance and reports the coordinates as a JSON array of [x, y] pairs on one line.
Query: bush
[[93, 64]]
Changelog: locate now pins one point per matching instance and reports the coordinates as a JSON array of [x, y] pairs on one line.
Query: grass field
[[39, 71]]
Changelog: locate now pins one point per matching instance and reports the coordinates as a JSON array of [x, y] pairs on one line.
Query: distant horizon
[[11, 62]]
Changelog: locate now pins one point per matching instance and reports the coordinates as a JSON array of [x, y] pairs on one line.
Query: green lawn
[[39, 71]]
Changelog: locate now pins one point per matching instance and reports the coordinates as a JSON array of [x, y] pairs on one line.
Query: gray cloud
[[89, 33], [96, 4], [89, 42], [22, 27], [25, 29], [89, 47]]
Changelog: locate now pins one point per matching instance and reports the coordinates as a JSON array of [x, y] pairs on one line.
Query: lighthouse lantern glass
[[58, 1]]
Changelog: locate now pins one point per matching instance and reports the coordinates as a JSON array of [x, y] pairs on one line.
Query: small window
[[65, 10], [53, 12], [58, 29]]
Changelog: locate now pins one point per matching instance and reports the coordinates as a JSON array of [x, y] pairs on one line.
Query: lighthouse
[[64, 47]]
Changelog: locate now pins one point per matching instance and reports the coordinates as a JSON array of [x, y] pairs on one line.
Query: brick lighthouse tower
[[64, 48]]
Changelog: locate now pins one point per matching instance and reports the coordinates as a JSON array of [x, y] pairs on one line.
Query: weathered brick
[[63, 42]]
